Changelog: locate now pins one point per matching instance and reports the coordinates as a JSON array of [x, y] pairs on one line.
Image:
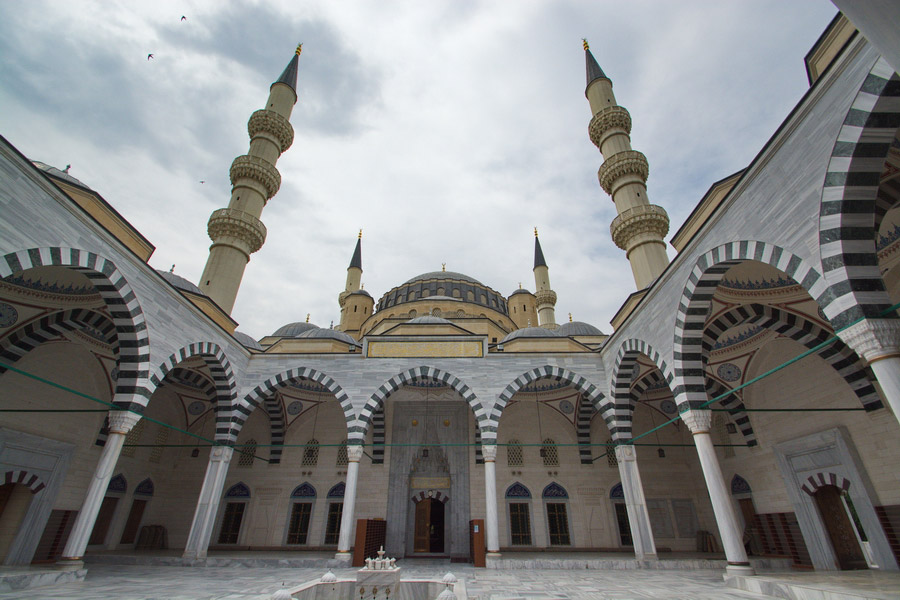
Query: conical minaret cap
[[538, 253], [356, 261], [594, 71], [289, 75]]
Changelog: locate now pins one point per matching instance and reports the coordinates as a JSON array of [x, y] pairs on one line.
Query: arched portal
[[841, 531]]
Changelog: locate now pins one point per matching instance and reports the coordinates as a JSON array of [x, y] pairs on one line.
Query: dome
[[578, 328], [449, 275], [246, 340], [429, 320], [529, 332], [321, 334], [294, 329], [442, 298], [360, 293], [520, 291], [180, 282]]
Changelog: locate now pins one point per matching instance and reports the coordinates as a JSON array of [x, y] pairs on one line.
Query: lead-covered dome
[[444, 286], [180, 282], [451, 275], [246, 340], [294, 329], [529, 332], [578, 328], [429, 320], [331, 334]]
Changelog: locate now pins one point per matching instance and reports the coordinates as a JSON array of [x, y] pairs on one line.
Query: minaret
[[236, 231], [356, 303], [546, 298], [640, 227]]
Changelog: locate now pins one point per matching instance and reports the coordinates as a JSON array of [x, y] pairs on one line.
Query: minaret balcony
[[609, 120], [274, 126], [639, 224], [623, 164], [235, 227], [260, 171]]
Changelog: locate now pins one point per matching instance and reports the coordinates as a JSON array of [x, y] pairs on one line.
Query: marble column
[[638, 517], [878, 342], [489, 451], [208, 502], [120, 423], [354, 453], [729, 530]]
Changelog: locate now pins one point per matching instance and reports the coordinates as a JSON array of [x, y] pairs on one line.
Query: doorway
[[624, 526], [15, 499], [429, 522], [840, 530]]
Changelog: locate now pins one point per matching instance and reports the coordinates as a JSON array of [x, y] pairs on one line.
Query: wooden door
[[840, 529], [133, 522], [104, 518], [422, 540]]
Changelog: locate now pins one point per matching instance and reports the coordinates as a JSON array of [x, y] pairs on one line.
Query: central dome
[[450, 275]]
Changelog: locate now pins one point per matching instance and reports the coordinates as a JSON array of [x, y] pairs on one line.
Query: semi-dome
[[246, 340], [180, 282], [333, 334], [578, 328], [428, 320], [294, 329], [450, 275], [529, 332]]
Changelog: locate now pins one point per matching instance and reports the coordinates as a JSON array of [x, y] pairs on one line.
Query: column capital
[[221, 454], [121, 421], [697, 420], [873, 339], [489, 452], [354, 452], [625, 453]]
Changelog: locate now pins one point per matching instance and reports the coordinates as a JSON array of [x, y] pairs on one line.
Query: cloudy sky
[[445, 130]]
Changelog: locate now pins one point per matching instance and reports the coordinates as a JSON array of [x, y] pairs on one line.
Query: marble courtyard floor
[[155, 582]]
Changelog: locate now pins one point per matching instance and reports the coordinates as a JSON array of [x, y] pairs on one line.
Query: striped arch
[[585, 414], [619, 418], [397, 381], [265, 393], [735, 403], [29, 480], [804, 331], [378, 436], [821, 479], [124, 308], [850, 202], [693, 310], [479, 455], [222, 376], [23, 340]]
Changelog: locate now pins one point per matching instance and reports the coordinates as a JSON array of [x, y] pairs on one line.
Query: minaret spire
[[236, 231], [640, 227], [546, 297], [356, 304]]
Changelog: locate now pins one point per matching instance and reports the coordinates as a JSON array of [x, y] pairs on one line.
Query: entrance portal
[[429, 536], [840, 529]]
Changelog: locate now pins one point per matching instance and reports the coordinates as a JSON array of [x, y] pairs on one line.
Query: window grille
[[298, 526], [342, 459], [311, 453], [231, 522], [611, 459], [133, 437], [558, 524], [549, 453], [333, 525], [162, 436], [247, 452], [514, 456], [519, 524]]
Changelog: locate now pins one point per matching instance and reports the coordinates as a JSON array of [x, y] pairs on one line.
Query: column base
[[193, 555], [647, 557], [490, 554], [740, 569], [69, 564], [345, 557]]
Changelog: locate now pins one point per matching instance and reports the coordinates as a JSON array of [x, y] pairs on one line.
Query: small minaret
[[236, 231], [640, 227], [356, 303], [546, 298]]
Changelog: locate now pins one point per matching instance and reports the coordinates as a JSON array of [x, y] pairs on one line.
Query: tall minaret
[[356, 303], [236, 231], [640, 227], [546, 298]]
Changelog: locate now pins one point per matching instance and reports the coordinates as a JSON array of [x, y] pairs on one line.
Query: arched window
[[411, 295], [440, 291], [247, 453], [335, 511], [302, 500], [518, 498], [617, 496], [470, 295], [460, 314], [342, 459], [549, 453], [311, 453], [236, 498], [412, 314], [555, 499], [514, 454], [456, 293], [436, 312]]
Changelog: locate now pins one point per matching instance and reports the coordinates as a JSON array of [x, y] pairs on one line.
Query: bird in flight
[[201, 181], [183, 18], [149, 56]]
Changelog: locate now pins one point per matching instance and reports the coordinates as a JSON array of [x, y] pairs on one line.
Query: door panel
[[423, 527], [840, 530]]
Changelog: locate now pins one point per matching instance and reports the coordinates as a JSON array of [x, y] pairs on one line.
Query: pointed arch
[[123, 305], [517, 490], [837, 354], [591, 392], [688, 385], [393, 384], [735, 403], [29, 480], [26, 338], [739, 485], [823, 478], [850, 203], [144, 488], [238, 490], [619, 418]]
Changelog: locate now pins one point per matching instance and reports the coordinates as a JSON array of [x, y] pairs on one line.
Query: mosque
[[744, 400]]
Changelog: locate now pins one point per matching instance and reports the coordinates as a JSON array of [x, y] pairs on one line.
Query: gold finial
[[570, 317], [362, 286], [360, 234], [444, 267], [299, 49], [535, 232], [520, 285], [583, 42], [307, 317]]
